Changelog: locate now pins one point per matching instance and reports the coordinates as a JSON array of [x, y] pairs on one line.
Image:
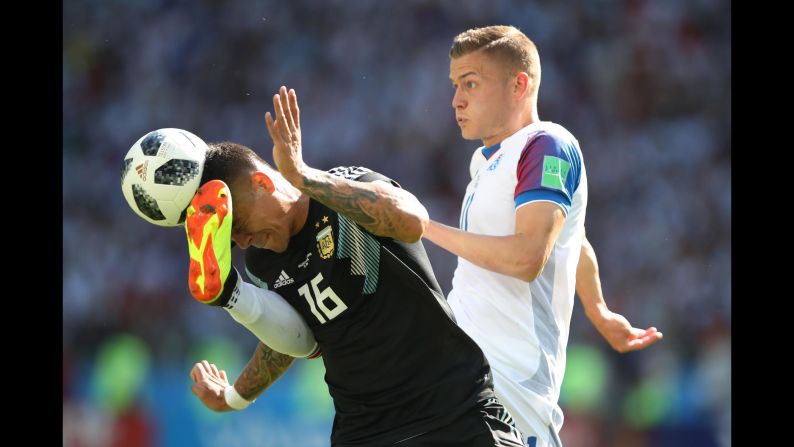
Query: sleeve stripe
[[546, 195]]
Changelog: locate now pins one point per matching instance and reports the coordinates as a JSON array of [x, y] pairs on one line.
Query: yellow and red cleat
[[209, 230]]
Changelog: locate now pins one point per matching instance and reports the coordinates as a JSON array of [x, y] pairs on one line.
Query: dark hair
[[507, 43], [229, 162]]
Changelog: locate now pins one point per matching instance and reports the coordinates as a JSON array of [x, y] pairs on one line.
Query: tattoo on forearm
[[265, 366], [376, 213]]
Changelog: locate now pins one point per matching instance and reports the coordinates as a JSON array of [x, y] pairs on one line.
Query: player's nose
[[458, 101]]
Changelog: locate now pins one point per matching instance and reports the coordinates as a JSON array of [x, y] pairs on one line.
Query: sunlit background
[[644, 85]]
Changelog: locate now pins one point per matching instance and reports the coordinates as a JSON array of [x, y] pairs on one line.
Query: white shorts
[[525, 407]]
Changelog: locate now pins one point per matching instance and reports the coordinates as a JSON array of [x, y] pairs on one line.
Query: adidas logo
[[283, 280], [141, 169]]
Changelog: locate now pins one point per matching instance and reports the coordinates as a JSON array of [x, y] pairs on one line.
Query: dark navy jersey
[[397, 365]]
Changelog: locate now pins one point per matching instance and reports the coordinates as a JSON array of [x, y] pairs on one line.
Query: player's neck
[[301, 214], [527, 118], [530, 116]]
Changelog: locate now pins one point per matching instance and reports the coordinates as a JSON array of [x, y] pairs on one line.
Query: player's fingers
[[285, 105], [281, 118], [296, 114], [199, 369], [207, 367], [194, 373], [644, 342], [657, 335], [271, 126], [223, 376], [639, 333], [278, 107], [215, 370], [635, 333]]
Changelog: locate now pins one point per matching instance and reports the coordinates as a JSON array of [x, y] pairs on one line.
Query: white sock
[[244, 308]]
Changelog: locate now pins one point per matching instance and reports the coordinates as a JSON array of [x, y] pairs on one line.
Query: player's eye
[[471, 84]]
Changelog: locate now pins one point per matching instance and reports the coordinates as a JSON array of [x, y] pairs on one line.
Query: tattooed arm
[[265, 366], [382, 209]]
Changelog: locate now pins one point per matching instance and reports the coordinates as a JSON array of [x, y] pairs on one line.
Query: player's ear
[[262, 180], [521, 84]]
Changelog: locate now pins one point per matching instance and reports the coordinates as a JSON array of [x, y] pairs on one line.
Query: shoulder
[[360, 174], [552, 140], [555, 134], [349, 172]]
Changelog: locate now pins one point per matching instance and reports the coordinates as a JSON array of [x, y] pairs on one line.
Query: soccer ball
[[161, 173]]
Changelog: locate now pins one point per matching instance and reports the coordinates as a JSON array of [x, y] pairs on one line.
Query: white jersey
[[523, 327]]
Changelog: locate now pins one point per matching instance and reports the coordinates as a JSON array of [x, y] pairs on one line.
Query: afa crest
[[325, 242]]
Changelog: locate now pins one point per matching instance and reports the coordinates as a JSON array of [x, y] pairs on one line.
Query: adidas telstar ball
[[161, 173]]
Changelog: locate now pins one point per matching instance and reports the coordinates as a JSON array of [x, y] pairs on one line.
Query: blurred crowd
[[644, 86]]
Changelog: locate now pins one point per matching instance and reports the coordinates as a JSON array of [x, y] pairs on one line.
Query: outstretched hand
[[619, 333], [209, 385], [285, 131]]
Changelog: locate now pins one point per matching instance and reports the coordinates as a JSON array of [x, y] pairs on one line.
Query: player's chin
[[468, 134], [279, 246]]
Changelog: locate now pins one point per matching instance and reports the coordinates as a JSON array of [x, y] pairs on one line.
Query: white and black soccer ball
[[161, 173]]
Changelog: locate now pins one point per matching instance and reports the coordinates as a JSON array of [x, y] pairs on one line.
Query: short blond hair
[[506, 43]]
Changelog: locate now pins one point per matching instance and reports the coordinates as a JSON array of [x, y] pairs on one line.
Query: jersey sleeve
[[548, 170]]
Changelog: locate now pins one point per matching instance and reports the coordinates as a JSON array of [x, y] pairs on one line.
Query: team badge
[[325, 242]]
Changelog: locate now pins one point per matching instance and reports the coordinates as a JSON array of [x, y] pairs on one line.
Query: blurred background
[[645, 86]]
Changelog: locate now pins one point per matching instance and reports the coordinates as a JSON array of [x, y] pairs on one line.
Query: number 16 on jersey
[[321, 309]]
